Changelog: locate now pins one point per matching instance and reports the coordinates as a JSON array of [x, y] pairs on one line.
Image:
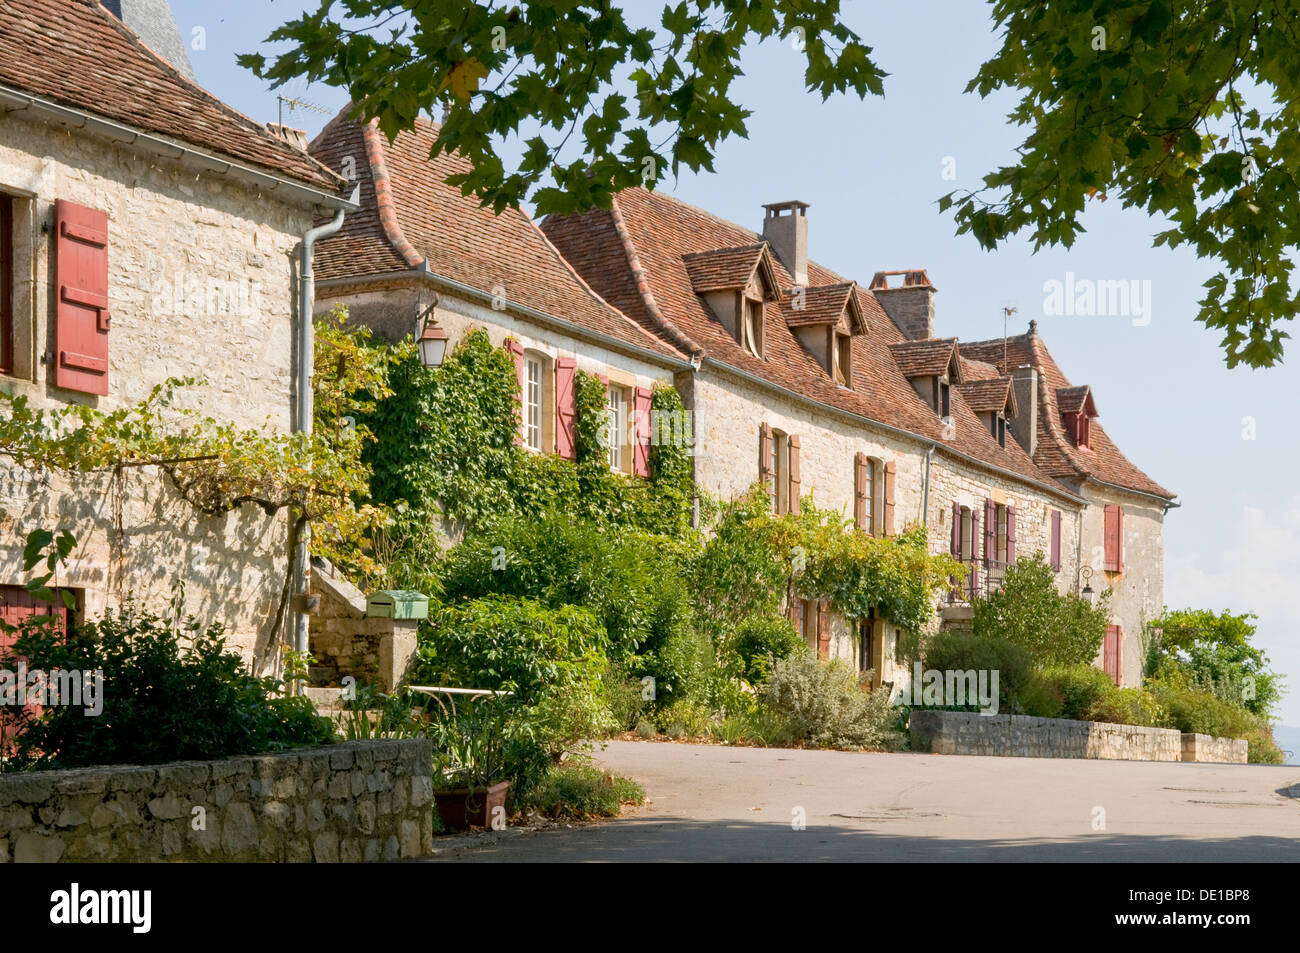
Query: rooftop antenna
[[295, 103], [1006, 316]]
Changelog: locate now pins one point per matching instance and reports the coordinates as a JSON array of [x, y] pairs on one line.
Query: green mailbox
[[397, 604]]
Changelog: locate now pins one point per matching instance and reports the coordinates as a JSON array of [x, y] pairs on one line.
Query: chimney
[[294, 137], [909, 305], [785, 227], [1024, 425]]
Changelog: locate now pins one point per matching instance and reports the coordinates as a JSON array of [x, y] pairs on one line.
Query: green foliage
[[1186, 110], [1210, 652], [740, 574], [757, 642], [685, 718], [555, 74], [757, 725], [826, 705], [623, 695], [170, 690], [1128, 706], [1028, 610], [582, 791], [960, 652], [1078, 687]]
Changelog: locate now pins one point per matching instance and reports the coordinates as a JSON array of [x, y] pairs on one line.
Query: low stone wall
[[1198, 747], [357, 801], [1020, 736]]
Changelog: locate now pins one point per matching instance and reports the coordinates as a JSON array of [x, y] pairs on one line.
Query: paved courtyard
[[741, 804]]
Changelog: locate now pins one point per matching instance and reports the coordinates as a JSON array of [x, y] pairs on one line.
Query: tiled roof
[[1072, 400], [634, 255], [725, 269], [77, 54], [928, 358], [976, 370], [410, 216], [822, 305], [1056, 453], [987, 395]]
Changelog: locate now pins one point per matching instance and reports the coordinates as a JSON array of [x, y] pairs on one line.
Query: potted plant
[[469, 765]]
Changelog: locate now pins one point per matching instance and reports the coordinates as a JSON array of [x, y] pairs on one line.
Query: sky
[[872, 170]]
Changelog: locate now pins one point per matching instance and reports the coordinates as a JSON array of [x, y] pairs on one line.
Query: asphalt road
[[712, 803]]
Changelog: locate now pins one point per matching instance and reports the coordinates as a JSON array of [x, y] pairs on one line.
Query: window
[[534, 374], [942, 397], [843, 359], [998, 427], [781, 472], [1082, 435], [6, 284], [967, 551], [618, 451], [1000, 533], [753, 326], [869, 497]]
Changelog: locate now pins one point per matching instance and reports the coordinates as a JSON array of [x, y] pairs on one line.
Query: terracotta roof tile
[[820, 305], [661, 231], [1057, 453], [77, 54], [411, 216], [928, 358], [1072, 400], [725, 269], [991, 394]]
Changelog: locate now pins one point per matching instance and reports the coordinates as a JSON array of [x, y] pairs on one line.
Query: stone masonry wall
[[1197, 747], [970, 733], [357, 801], [230, 251]]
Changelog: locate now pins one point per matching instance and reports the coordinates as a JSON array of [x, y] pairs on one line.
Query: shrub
[[1028, 610], [960, 652], [758, 725], [825, 704], [685, 719], [645, 728], [170, 690], [758, 641], [1128, 706], [1201, 712], [624, 696], [1079, 686], [583, 791]]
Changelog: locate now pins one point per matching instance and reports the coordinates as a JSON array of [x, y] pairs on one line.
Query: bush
[[685, 719], [1028, 610], [583, 791], [170, 690], [758, 641], [759, 725], [624, 696], [1201, 712], [825, 704], [1128, 706], [960, 652], [1079, 686]]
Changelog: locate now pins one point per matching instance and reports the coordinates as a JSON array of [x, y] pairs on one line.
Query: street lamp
[[431, 339], [1088, 592]]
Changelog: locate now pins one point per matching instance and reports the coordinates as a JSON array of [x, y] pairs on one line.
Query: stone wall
[[1020, 736], [1197, 747], [230, 252], [357, 801]]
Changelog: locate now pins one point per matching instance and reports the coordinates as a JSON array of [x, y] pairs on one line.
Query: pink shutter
[[1114, 538], [1056, 540], [990, 533], [81, 312], [860, 465], [974, 556], [823, 630], [765, 453], [566, 369], [1011, 535], [795, 479], [956, 531], [891, 473], [517, 352], [1111, 652], [641, 452]]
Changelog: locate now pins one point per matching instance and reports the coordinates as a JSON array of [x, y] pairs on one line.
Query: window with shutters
[[869, 497], [533, 384], [780, 470], [620, 457], [6, 284], [753, 326]]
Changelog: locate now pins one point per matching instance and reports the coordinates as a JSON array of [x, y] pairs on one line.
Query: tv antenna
[[295, 103]]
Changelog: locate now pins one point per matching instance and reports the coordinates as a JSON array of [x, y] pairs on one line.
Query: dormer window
[[1077, 411], [998, 427], [753, 326], [942, 397]]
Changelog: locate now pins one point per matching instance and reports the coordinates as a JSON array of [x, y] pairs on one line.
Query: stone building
[[149, 231], [815, 383]]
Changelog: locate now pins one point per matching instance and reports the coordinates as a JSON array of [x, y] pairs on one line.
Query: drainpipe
[[925, 492], [302, 424]]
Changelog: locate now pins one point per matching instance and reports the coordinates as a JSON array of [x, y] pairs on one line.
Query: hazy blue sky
[[872, 171]]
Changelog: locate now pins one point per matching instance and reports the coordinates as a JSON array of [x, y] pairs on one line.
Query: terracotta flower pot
[[462, 808]]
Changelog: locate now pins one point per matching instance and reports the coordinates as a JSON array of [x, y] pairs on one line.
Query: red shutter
[[975, 550], [517, 352], [1011, 535], [1111, 652], [565, 407], [795, 481], [860, 465], [823, 630], [765, 453], [82, 319], [1114, 539], [795, 613], [641, 452], [891, 471], [990, 533], [956, 543], [1056, 540]]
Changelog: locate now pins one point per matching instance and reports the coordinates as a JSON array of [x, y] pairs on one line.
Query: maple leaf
[[463, 78]]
